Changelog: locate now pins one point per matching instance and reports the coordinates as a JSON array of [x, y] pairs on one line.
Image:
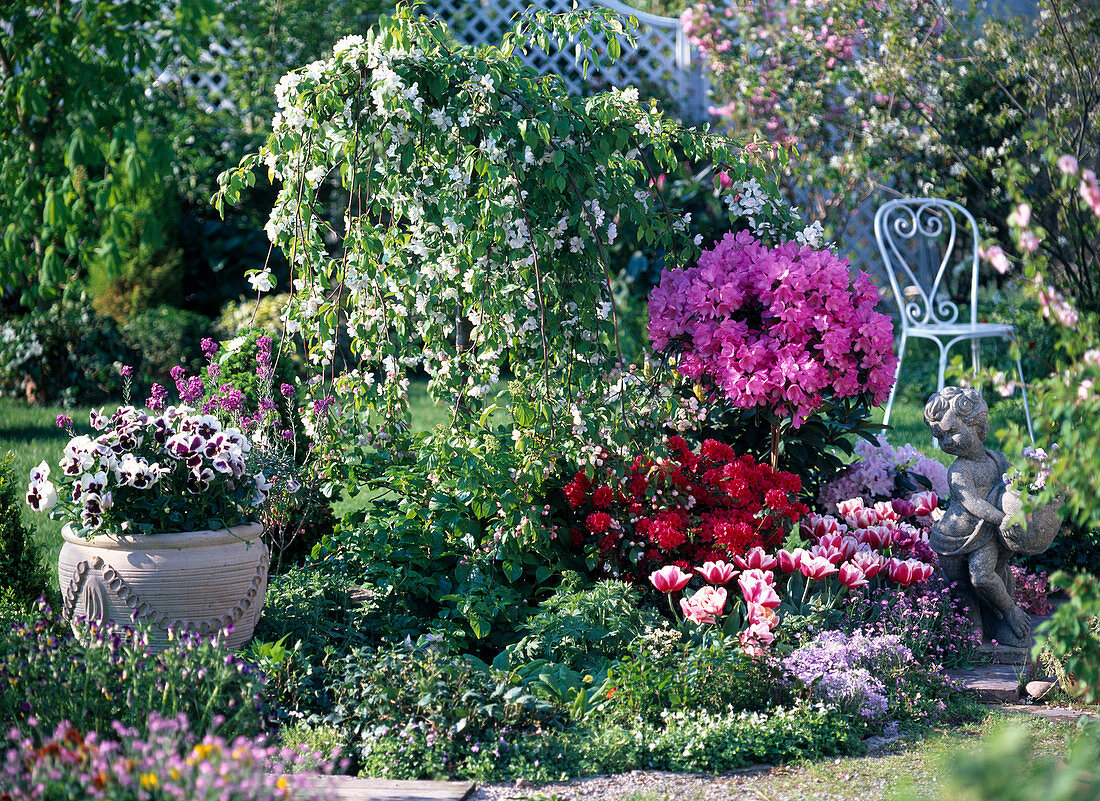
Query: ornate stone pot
[[200, 580], [1041, 528]]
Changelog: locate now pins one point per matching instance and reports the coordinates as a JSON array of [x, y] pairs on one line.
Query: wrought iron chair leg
[[1023, 389], [894, 388]]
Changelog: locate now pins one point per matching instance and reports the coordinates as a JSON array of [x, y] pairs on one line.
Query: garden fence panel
[[662, 63]]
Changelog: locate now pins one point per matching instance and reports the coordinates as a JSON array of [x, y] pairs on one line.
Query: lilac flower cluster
[[166, 764], [874, 475], [846, 670], [779, 328]]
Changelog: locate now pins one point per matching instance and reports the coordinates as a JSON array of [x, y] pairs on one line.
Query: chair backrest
[[908, 230]]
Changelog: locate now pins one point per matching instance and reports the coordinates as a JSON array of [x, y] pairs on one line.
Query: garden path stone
[[991, 684], [353, 788], [1057, 714]]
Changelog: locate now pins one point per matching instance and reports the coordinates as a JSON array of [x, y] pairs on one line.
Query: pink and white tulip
[[669, 579], [717, 572], [756, 559]]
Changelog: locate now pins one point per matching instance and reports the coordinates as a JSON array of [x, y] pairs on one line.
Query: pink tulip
[[757, 587], [849, 545], [863, 517], [851, 576], [903, 507], [669, 579], [717, 572], [816, 567], [834, 555], [908, 572], [886, 511], [849, 506], [790, 562], [869, 563], [925, 503], [756, 613], [711, 600], [830, 540], [756, 559], [756, 638], [821, 525], [695, 613], [876, 536]]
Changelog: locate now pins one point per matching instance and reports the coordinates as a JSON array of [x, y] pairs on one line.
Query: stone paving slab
[[1058, 714], [353, 788], [991, 684]]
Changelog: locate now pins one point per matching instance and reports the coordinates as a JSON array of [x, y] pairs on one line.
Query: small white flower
[[262, 281]]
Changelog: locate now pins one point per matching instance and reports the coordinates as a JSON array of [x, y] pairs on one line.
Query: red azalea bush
[[684, 510]]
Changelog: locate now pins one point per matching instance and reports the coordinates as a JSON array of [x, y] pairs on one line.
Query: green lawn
[[911, 768]]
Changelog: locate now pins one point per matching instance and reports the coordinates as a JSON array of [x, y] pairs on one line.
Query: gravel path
[[741, 785]]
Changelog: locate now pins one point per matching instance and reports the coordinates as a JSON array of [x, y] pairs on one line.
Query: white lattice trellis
[[660, 64]]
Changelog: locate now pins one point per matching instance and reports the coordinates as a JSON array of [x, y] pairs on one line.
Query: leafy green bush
[[166, 336], [582, 627], [46, 674], [681, 741], [422, 694], [21, 577], [1069, 642], [666, 673], [66, 354]]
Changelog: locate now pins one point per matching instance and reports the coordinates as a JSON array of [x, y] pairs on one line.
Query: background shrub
[[21, 576], [166, 336], [65, 354]]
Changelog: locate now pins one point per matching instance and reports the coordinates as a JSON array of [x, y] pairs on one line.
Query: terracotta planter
[[200, 580], [1038, 531]]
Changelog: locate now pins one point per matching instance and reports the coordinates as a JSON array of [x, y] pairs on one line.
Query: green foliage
[[664, 673], [327, 741], [312, 617], [73, 155], [263, 314], [584, 628], [66, 354], [1070, 640], [145, 270], [164, 337], [432, 533], [682, 741], [45, 673], [423, 689], [21, 577], [1006, 767]]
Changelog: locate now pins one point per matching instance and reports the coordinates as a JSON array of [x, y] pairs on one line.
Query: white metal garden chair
[[912, 234]]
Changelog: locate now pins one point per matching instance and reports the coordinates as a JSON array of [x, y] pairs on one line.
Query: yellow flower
[[149, 781]]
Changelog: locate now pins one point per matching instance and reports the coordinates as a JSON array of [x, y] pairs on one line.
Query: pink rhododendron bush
[[780, 329]]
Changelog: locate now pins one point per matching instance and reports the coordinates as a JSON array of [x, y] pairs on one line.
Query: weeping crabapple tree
[[481, 200]]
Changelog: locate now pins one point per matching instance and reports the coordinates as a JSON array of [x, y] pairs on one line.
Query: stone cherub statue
[[969, 538]]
